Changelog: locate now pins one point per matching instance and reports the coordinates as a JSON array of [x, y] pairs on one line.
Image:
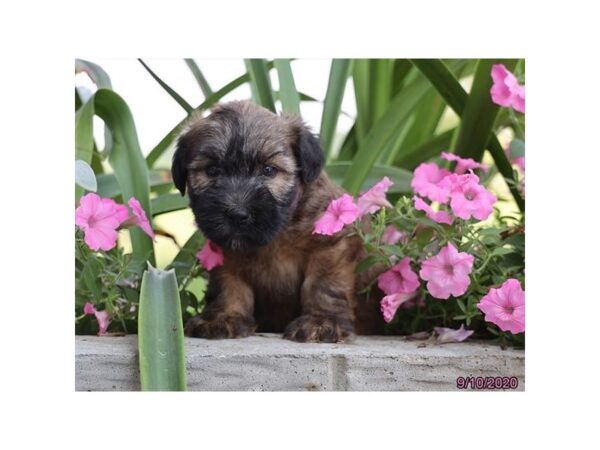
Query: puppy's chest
[[277, 275]]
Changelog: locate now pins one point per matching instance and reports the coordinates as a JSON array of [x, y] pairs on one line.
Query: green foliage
[[160, 336], [499, 254]]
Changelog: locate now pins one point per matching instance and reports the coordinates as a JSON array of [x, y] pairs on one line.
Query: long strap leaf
[[160, 333], [338, 76], [388, 125], [127, 162], [456, 97], [199, 76], [290, 99], [479, 113], [178, 98], [260, 83]]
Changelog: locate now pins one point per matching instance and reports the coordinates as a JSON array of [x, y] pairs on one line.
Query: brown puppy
[[256, 187]]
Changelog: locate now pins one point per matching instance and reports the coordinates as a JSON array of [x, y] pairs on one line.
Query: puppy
[[256, 186]]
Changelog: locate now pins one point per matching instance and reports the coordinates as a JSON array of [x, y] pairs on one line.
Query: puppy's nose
[[238, 214]]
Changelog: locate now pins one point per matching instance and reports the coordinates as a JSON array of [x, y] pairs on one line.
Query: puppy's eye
[[269, 171], [213, 171]]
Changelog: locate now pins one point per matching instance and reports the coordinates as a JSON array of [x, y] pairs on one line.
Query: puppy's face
[[243, 167]]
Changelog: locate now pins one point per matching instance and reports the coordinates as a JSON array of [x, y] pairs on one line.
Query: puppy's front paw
[[310, 328], [220, 326]]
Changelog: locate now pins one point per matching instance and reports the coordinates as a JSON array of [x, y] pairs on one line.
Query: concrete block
[[266, 362]]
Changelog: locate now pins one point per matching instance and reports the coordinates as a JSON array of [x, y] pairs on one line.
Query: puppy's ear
[[309, 155], [178, 168]]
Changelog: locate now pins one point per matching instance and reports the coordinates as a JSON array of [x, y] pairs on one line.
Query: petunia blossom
[[99, 219], [468, 198], [390, 303], [463, 164], [374, 199], [210, 256], [140, 215], [447, 273], [391, 235], [505, 306], [506, 90], [102, 317], [436, 216], [426, 182], [340, 212], [89, 308], [446, 335], [400, 279]]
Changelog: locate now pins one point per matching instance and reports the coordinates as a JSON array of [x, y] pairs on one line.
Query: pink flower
[[391, 235], [469, 198], [447, 272], [340, 212], [99, 219], [446, 335], [463, 164], [505, 306], [506, 90], [210, 256], [436, 216], [400, 279], [89, 308], [374, 199], [102, 317], [140, 215], [426, 179], [390, 303]]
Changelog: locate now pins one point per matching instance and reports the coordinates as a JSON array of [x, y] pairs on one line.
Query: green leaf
[[400, 71], [207, 103], [186, 257], [290, 99], [84, 176], [338, 76], [108, 186], [380, 86], [84, 133], [127, 162], [84, 138], [360, 80], [168, 202], [479, 113], [178, 98], [90, 277], [199, 76], [401, 177], [349, 145], [160, 333], [95, 72], [499, 251], [456, 97], [387, 126], [367, 263], [412, 157], [260, 83]]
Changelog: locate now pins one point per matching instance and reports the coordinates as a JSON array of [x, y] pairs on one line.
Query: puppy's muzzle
[[238, 215]]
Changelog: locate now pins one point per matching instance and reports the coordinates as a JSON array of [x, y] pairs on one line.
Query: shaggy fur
[[256, 187]]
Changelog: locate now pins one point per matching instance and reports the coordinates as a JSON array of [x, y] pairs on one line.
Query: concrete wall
[[269, 363]]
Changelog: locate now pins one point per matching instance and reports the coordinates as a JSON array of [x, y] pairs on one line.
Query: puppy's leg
[[229, 309], [327, 294]]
